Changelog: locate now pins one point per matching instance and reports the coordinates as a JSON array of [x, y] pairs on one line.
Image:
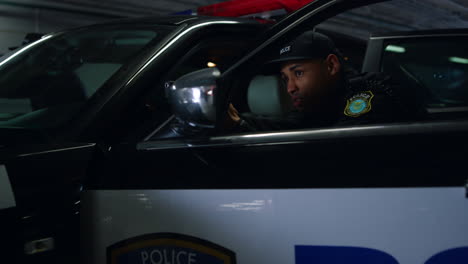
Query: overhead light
[[211, 64], [393, 48], [458, 60]]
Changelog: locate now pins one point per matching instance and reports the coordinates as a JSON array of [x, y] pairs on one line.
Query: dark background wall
[[19, 17]]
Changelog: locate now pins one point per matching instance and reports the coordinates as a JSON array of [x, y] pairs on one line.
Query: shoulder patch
[[359, 104]]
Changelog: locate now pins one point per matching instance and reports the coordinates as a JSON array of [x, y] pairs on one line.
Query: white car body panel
[[265, 226]]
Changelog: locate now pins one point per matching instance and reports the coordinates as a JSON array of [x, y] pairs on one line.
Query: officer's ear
[[333, 64]]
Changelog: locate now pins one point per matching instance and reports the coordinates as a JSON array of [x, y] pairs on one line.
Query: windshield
[[47, 82]]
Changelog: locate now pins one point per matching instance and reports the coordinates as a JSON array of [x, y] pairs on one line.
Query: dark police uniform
[[363, 98], [377, 98]]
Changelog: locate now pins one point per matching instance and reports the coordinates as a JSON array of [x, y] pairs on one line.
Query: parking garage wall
[[16, 22]]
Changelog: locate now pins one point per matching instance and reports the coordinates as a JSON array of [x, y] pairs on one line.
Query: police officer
[[324, 92]]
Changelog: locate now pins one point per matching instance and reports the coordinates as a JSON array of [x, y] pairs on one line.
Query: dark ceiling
[[393, 15]]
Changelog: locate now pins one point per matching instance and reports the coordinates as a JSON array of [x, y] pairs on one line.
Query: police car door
[[40, 187], [383, 193]]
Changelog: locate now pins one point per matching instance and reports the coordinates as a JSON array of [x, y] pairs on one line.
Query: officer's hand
[[233, 113], [232, 118]]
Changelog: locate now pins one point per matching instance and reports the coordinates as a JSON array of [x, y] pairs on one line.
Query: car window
[[439, 65], [351, 30], [212, 51], [218, 52], [47, 82]]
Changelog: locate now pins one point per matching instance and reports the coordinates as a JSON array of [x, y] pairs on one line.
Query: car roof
[[177, 20], [168, 20]]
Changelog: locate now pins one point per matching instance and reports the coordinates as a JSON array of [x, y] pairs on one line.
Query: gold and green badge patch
[[359, 104]]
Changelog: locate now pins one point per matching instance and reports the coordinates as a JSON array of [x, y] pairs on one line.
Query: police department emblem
[[164, 248], [359, 104]]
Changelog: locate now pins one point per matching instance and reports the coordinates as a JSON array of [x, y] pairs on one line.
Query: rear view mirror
[[192, 98]]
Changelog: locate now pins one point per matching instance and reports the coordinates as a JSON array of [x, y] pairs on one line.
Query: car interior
[[266, 95], [438, 80], [57, 79], [434, 72]]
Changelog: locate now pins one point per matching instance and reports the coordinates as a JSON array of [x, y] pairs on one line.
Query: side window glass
[[221, 53], [420, 45], [46, 83], [218, 52], [438, 66], [352, 29]]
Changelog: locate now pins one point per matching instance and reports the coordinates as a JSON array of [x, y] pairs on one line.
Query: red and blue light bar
[[243, 8], [238, 8]]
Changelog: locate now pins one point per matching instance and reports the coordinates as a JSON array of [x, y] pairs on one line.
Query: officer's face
[[308, 83]]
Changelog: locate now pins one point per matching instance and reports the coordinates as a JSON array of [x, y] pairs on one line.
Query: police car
[[71, 94], [391, 193], [386, 193]]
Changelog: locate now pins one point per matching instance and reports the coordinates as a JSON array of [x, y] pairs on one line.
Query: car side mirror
[[192, 98]]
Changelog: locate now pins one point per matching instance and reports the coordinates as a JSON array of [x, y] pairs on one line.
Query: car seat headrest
[[266, 96]]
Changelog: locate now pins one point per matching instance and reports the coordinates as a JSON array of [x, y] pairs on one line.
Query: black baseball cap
[[308, 45]]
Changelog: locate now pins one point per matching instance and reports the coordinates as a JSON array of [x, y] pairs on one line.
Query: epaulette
[[370, 81]]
